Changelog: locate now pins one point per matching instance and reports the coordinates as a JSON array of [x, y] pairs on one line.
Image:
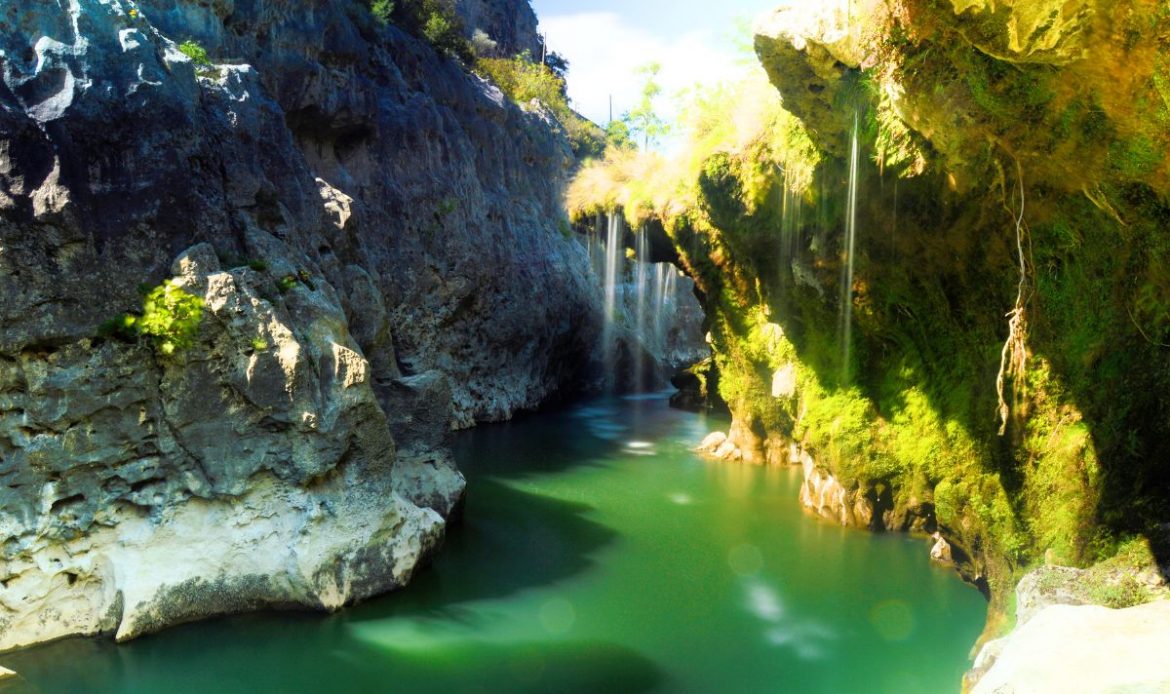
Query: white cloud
[[604, 53]]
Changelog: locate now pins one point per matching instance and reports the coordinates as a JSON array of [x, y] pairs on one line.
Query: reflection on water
[[597, 552]]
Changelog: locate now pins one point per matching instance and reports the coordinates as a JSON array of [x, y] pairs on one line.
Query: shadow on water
[[543, 444], [510, 540], [216, 662]]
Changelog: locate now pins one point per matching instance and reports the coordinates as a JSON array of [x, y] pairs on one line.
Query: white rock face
[[254, 469], [319, 548], [1086, 649], [784, 382], [824, 495]]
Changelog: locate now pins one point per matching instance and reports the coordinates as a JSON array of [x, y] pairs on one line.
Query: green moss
[[382, 10], [1135, 158]]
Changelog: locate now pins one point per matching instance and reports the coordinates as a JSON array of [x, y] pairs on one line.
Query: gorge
[[261, 262]]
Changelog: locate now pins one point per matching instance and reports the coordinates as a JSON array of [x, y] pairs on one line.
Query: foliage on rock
[[433, 20], [525, 81], [170, 319]]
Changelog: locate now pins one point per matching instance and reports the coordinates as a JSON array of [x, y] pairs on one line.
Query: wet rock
[[698, 388], [719, 446], [823, 495], [713, 441], [940, 551]]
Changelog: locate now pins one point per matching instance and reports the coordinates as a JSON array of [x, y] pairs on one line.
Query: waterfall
[[613, 252], [594, 245], [791, 212], [846, 333], [641, 281], [660, 308], [666, 307]]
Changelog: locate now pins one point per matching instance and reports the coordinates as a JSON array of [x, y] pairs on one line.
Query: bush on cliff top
[[524, 80], [743, 125], [432, 20]]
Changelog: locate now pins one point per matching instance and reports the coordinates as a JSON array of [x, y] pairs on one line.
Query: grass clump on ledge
[[197, 54]]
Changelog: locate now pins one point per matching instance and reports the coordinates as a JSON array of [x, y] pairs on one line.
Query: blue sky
[[606, 40]]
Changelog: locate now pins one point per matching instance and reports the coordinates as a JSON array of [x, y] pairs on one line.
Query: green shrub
[[286, 283], [382, 10], [170, 319], [432, 20], [197, 54]]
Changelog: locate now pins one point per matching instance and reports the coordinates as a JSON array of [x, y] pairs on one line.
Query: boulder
[[1088, 648]]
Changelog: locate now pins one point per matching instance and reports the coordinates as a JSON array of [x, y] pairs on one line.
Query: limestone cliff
[[374, 234]]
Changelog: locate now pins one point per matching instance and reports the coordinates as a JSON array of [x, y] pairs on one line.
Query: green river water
[[597, 554]]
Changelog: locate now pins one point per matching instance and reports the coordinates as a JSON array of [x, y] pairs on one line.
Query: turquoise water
[[597, 553]]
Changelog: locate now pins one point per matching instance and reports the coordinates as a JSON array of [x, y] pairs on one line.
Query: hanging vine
[[1014, 357]]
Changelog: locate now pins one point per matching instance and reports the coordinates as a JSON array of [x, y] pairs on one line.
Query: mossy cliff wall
[[1007, 368]]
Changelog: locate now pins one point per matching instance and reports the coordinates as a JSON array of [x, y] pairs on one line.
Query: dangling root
[[1014, 358]]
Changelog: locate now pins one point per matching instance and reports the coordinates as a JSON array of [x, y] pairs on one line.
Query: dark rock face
[[374, 234], [512, 25]]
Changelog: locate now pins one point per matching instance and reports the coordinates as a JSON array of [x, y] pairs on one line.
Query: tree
[[642, 120], [617, 135], [557, 63]]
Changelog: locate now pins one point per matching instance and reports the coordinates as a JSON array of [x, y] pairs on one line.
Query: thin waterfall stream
[[846, 332]]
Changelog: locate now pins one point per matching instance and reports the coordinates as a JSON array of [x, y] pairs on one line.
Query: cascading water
[[613, 251], [667, 305], [641, 281], [596, 252], [659, 303], [791, 214], [846, 332]]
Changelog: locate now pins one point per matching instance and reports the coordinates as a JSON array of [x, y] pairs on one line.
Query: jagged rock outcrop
[[374, 234]]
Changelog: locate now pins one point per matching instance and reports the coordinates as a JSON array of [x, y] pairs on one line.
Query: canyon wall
[[935, 271], [376, 240]]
